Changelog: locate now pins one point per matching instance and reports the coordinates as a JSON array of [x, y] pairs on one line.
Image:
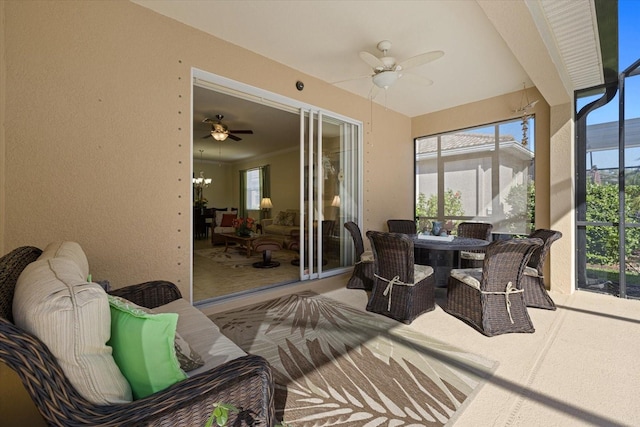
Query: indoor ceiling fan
[[220, 131], [386, 71]]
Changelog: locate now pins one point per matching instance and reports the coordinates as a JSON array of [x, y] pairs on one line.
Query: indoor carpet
[[217, 273], [339, 366]]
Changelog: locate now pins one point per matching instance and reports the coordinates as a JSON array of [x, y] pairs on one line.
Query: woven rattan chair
[[535, 293], [362, 276], [491, 298], [475, 230], [402, 289], [245, 382], [404, 226], [408, 226]]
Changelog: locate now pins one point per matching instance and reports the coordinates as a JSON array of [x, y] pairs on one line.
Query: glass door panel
[[331, 192]]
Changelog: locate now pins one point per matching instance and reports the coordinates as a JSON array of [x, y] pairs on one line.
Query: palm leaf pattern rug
[[339, 366]]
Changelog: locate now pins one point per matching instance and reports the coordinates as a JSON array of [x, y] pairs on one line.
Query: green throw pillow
[[143, 347]]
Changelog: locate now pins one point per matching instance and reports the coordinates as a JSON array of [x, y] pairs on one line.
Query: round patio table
[[447, 255]]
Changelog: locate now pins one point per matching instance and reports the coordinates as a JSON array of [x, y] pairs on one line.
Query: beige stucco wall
[[97, 124]]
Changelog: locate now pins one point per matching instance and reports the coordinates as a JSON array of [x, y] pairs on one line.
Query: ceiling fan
[[220, 131], [386, 71]]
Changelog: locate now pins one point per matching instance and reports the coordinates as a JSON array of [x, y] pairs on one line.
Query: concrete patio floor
[[579, 368]]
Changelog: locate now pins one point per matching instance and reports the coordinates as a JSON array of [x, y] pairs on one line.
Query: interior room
[[105, 127]]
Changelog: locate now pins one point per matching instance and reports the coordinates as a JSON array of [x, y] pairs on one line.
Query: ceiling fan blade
[[235, 138], [416, 79], [242, 131], [206, 136], [366, 76], [373, 61], [421, 59]]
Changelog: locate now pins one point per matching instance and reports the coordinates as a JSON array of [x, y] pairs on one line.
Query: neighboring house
[[466, 162]]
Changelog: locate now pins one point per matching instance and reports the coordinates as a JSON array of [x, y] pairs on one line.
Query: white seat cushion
[[202, 334], [367, 256], [220, 230], [421, 272], [468, 276], [54, 302], [476, 256]]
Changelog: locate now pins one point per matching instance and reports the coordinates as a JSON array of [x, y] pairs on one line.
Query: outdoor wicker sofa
[[245, 382]]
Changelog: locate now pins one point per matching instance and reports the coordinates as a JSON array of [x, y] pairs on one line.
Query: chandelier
[[200, 184]]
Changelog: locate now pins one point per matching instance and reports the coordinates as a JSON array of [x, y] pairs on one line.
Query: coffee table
[[246, 242]]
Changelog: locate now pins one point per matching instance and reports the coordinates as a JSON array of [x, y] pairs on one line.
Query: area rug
[[339, 366], [217, 273], [236, 257]]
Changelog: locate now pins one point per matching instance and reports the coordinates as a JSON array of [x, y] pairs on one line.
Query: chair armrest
[[245, 383], [266, 221], [149, 294]]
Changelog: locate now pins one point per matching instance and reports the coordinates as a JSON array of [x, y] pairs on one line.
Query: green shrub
[[603, 206]]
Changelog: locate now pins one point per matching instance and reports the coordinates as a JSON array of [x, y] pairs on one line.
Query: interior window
[[253, 189]]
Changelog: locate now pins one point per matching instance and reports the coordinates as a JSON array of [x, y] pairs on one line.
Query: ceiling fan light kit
[[386, 71], [385, 79], [218, 136]]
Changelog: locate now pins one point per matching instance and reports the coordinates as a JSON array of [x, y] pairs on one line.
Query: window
[[478, 174], [253, 190]]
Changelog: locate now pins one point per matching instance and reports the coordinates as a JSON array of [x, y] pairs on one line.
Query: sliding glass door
[[330, 185], [313, 158]]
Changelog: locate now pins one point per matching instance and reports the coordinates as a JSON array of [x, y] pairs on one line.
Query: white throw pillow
[[54, 302]]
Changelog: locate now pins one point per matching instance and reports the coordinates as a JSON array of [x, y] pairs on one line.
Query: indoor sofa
[[284, 227], [65, 337]]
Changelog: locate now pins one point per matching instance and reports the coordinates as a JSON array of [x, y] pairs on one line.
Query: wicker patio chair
[[409, 226], [402, 289], [475, 230], [491, 298], [244, 382], [362, 276], [404, 226], [535, 293]]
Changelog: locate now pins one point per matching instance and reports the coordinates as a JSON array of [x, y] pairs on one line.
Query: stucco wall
[[97, 133]]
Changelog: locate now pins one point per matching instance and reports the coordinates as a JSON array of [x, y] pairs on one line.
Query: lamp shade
[[336, 201], [265, 203]]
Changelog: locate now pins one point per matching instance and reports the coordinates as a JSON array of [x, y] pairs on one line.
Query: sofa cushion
[[227, 219], [296, 216], [284, 218], [187, 356], [220, 214], [54, 302], [202, 334], [143, 347]]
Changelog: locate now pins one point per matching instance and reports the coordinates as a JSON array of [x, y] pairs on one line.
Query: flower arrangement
[[243, 226]]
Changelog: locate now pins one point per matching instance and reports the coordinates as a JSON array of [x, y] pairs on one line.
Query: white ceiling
[[486, 43]]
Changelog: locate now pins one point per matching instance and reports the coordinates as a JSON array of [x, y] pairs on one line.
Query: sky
[[628, 53]]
